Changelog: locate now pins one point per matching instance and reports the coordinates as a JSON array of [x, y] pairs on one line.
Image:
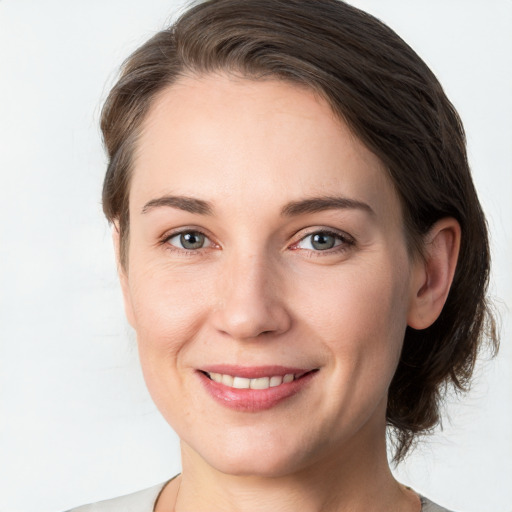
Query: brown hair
[[390, 99]]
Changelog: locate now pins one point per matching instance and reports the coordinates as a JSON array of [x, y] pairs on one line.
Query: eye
[[189, 240], [323, 241]]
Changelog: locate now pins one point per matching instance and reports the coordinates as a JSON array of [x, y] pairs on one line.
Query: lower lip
[[253, 400]]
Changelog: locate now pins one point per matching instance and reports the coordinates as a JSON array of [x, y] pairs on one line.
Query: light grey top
[[141, 501], [428, 506], [144, 501]]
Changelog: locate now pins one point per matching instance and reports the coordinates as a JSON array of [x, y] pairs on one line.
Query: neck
[[354, 479]]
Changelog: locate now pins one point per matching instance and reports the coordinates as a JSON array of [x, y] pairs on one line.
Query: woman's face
[[266, 244]]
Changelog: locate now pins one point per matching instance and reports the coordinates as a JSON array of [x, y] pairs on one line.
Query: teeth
[[227, 380], [241, 383], [259, 383], [275, 381], [262, 383]]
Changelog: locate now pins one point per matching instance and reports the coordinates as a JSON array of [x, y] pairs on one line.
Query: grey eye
[[321, 241], [189, 240], [192, 240]]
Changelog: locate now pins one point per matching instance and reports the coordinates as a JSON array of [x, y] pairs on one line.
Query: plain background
[[76, 423]]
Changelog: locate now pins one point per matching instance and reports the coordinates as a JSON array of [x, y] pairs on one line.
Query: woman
[[301, 251]]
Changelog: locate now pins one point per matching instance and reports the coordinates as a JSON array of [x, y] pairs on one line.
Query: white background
[[76, 424]]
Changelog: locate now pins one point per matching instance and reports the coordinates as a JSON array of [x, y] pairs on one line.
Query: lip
[[254, 400]]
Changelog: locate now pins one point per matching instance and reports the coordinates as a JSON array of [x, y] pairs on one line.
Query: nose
[[251, 299]]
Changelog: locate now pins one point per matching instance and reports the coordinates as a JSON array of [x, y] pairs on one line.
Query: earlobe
[[433, 275], [122, 274]]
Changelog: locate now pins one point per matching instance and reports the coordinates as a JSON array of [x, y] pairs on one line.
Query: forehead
[[269, 142]]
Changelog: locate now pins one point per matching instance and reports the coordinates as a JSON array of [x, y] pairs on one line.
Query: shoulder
[[428, 506], [141, 501]]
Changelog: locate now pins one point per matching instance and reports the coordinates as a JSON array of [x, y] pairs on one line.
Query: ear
[[122, 273], [433, 275]]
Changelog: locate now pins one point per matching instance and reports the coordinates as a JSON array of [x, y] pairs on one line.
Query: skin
[[259, 293]]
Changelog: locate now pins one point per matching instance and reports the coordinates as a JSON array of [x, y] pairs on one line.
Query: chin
[[267, 456], [255, 466]]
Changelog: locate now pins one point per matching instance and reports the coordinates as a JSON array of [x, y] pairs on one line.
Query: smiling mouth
[[237, 382], [254, 388]]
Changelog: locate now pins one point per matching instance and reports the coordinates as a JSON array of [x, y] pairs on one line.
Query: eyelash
[[186, 252], [346, 241]]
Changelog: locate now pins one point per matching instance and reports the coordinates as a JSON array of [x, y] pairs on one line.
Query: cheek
[[361, 321], [168, 309], [361, 314]]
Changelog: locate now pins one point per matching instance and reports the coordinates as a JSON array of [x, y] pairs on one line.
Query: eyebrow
[[188, 204], [318, 204], [294, 208]]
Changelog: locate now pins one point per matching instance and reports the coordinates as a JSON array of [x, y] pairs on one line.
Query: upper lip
[[254, 372]]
